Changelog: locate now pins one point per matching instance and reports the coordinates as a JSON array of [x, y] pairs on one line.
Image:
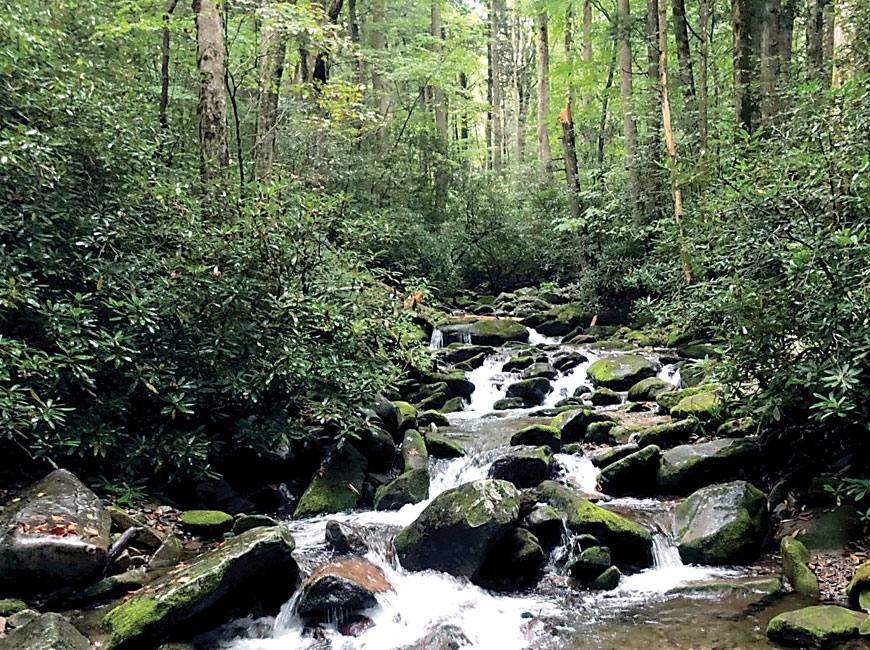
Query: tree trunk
[[586, 57], [520, 112], [496, 20], [602, 122], [651, 185], [463, 90], [380, 91], [162, 116], [786, 34], [684, 57], [704, 49], [669, 138], [569, 146], [843, 68], [744, 64], [439, 101], [544, 154], [212, 110], [815, 39], [270, 71], [770, 59], [629, 127]]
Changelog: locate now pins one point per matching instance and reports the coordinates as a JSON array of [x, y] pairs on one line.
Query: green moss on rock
[[647, 389], [205, 523], [817, 626], [622, 372], [410, 487], [440, 446], [337, 487], [704, 406], [795, 558], [670, 399], [538, 434]]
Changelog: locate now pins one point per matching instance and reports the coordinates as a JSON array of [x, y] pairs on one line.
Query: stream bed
[[667, 606]]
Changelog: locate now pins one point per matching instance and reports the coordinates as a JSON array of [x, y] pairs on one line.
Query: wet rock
[[704, 406], [378, 447], [457, 529], [337, 485], [647, 389], [388, 414], [428, 418], [356, 625], [544, 523], [524, 466], [341, 588], [443, 637], [665, 435], [531, 391], [608, 580], [205, 523], [688, 467], [45, 632], [600, 433], [407, 419], [634, 474], [817, 626], [722, 524], [412, 486], [458, 352], [622, 372], [560, 320], [590, 564], [518, 363], [827, 530], [453, 405], [568, 361], [515, 559], [573, 424], [605, 397], [122, 520], [168, 555], [538, 435], [56, 534], [795, 560], [509, 403], [859, 586], [670, 399], [440, 446], [454, 380], [345, 539], [573, 449], [739, 428], [255, 568], [244, 523], [629, 543], [540, 369], [610, 456], [111, 588], [491, 332]]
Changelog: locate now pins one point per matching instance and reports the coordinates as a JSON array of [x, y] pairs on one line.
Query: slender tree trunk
[[463, 91], [623, 17], [520, 112], [843, 68], [651, 185], [270, 71], [684, 56], [162, 115], [770, 60], [828, 43], [586, 58], [602, 122], [496, 21], [439, 101], [786, 34], [489, 103], [815, 39], [704, 49], [669, 138], [569, 147], [744, 67], [544, 154], [380, 91], [212, 110]]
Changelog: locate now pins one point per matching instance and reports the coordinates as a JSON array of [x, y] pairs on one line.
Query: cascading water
[[436, 342]]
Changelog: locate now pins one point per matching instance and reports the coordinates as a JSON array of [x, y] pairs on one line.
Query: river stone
[[524, 466], [428, 418], [647, 389], [704, 406], [110, 588], [859, 584], [443, 637], [722, 524], [168, 555], [341, 588], [55, 534], [795, 560], [205, 523], [544, 523], [670, 399], [590, 564], [407, 419], [518, 363], [458, 352], [538, 435], [455, 381], [600, 433], [817, 626], [456, 530], [605, 397], [514, 560], [539, 369], [123, 520], [407, 488], [665, 435], [689, 467], [244, 523], [377, 446], [560, 320], [255, 568], [608, 580], [45, 632], [622, 372], [610, 456], [569, 361], [574, 423], [345, 539], [440, 446], [629, 543], [493, 332], [337, 485], [531, 391], [739, 428], [454, 405], [388, 414], [509, 403], [634, 474]]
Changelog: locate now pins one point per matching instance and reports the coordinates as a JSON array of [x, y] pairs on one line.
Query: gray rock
[[524, 466], [689, 467], [345, 539], [45, 632], [341, 588], [634, 474], [531, 391]]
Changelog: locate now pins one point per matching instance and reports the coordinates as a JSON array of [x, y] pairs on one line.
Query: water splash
[[436, 342]]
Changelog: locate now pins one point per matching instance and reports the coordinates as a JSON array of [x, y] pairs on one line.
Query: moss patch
[[209, 523], [816, 626]]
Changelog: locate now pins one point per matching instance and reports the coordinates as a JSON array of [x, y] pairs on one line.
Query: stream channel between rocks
[[667, 606]]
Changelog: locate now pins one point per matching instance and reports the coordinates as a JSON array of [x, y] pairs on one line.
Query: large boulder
[[456, 531], [647, 389], [704, 407], [341, 587], [494, 332], [669, 399], [254, 569], [609, 456], [817, 626], [858, 589], [795, 561], [458, 352], [665, 435], [623, 371], [412, 485], [531, 391], [440, 446], [686, 468], [524, 466], [538, 435], [573, 424], [722, 524], [634, 474], [560, 320], [336, 486], [629, 543], [43, 632], [514, 560], [56, 534]]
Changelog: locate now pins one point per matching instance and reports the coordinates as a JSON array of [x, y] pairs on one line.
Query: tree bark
[[629, 127], [843, 68], [770, 59], [815, 39], [786, 34], [497, 126], [684, 56], [669, 139], [380, 91], [212, 109], [651, 185], [270, 70], [704, 50], [569, 146], [744, 64], [439, 101], [544, 154], [602, 122], [162, 115]]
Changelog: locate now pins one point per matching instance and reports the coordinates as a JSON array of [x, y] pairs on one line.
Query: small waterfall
[[671, 374], [665, 553], [437, 340], [578, 472], [465, 338], [538, 339]]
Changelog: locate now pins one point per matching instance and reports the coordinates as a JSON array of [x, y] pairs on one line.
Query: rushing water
[[643, 612]]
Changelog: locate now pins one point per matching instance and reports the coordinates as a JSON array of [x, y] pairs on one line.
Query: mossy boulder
[[514, 560], [254, 569], [574, 423], [634, 474], [669, 399], [545, 523], [605, 397], [409, 487], [610, 456], [458, 352], [440, 446], [430, 417], [647, 389], [704, 406], [55, 534], [539, 369], [686, 468], [629, 543], [407, 419], [205, 523], [600, 433], [453, 405], [537, 435], [491, 332], [665, 435], [518, 363], [722, 524], [608, 580], [110, 588], [795, 561], [457, 529], [739, 428], [590, 564], [560, 320], [509, 403], [340, 588], [531, 391], [336, 486], [244, 523], [44, 632], [524, 466], [622, 372], [859, 584], [818, 626], [565, 362]]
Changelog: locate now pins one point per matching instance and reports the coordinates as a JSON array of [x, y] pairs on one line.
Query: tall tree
[[770, 59], [380, 91], [844, 31], [744, 21], [270, 70], [684, 57], [543, 93], [629, 127], [439, 107], [212, 110], [162, 115], [569, 140], [496, 20], [703, 51], [815, 39]]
